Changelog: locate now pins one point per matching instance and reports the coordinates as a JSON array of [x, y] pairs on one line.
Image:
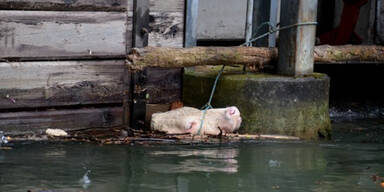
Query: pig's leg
[[192, 126]]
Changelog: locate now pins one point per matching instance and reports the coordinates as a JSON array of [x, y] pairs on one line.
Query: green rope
[[248, 43], [274, 30], [208, 105]]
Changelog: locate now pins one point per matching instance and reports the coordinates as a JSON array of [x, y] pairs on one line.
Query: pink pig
[[188, 120]]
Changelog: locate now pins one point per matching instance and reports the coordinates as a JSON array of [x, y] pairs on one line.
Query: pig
[[188, 119]]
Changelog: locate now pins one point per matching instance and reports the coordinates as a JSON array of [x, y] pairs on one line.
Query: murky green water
[[267, 166]]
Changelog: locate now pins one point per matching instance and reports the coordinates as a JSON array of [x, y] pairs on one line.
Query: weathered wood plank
[[167, 5], [37, 34], [221, 19], [166, 23], [163, 85], [64, 5], [164, 5], [39, 121], [45, 84]]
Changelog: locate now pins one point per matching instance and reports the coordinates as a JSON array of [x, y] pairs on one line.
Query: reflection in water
[[199, 160], [269, 166]]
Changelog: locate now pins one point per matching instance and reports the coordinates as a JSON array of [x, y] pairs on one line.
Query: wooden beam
[[191, 23], [39, 34], [187, 57], [349, 54], [39, 121], [138, 78], [60, 5], [296, 43], [60, 83], [257, 56]]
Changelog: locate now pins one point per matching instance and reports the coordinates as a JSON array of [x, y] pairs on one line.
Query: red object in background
[[176, 105], [345, 32]]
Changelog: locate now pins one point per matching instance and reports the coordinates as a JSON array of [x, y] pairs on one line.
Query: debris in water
[[274, 163], [85, 181], [375, 178], [275, 187], [3, 138], [56, 132]]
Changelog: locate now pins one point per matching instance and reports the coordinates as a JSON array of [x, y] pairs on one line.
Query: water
[[265, 166]]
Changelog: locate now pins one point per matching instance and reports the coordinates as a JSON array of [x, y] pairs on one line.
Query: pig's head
[[224, 120], [231, 121]]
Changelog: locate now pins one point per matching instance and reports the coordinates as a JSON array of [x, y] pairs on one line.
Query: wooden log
[[60, 5], [349, 54], [63, 83], [54, 34], [258, 56], [39, 121], [187, 57]]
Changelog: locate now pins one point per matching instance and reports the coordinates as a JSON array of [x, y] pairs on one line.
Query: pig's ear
[[231, 111]]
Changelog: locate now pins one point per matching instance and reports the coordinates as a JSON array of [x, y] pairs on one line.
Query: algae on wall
[[269, 104]]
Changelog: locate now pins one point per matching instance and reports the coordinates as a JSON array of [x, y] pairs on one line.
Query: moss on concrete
[[269, 104]]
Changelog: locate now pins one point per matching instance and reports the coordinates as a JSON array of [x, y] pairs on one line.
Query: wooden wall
[[62, 63]]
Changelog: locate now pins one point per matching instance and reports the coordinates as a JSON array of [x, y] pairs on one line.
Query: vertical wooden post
[[261, 10], [264, 11], [297, 43], [140, 23], [379, 22], [249, 21], [138, 78], [273, 18], [190, 37], [127, 73], [139, 99]]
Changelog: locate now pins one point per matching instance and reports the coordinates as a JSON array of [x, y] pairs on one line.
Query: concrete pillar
[[296, 43]]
